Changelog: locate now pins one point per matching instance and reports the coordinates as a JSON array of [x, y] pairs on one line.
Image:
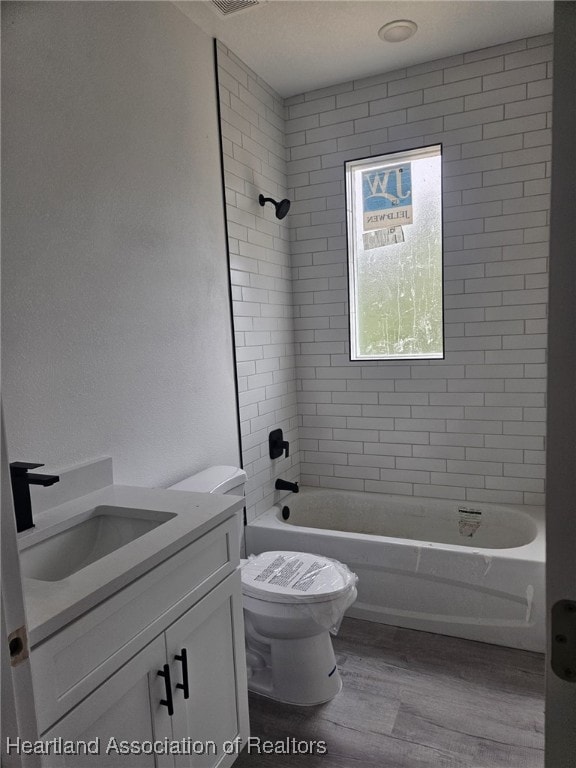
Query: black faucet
[[277, 445], [21, 482], [284, 485]]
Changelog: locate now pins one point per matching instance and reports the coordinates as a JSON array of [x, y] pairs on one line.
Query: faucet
[[284, 485], [21, 482], [277, 445]]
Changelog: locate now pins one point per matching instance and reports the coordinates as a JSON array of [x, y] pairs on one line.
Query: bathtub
[[456, 568]]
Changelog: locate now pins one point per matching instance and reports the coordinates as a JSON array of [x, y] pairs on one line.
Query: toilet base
[[298, 671]]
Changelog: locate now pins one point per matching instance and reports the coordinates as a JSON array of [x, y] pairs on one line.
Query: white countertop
[[52, 604]]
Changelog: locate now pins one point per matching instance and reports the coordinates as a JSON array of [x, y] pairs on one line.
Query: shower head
[[282, 207]]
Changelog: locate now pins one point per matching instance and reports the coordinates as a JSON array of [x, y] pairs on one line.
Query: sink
[[90, 537]]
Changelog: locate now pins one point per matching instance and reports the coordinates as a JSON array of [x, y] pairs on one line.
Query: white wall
[[116, 326], [252, 121], [471, 426]]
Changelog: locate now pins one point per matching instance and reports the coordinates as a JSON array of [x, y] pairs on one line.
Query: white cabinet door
[[126, 708], [211, 634]]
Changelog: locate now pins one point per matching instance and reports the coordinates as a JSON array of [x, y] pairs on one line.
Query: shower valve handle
[[277, 445]]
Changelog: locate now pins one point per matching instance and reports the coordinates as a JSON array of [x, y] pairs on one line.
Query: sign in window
[[394, 220]]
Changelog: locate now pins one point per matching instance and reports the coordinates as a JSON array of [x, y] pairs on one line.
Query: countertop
[[52, 604]]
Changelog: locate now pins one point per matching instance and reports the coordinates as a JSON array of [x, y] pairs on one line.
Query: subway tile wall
[[254, 158], [472, 426]]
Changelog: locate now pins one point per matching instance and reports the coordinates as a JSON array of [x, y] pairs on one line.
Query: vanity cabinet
[[122, 708], [97, 680]]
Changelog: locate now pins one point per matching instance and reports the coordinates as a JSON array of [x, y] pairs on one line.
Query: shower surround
[[470, 427]]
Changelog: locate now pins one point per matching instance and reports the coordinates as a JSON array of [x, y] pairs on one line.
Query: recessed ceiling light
[[397, 31]]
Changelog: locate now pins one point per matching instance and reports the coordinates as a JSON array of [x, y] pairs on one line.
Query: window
[[394, 219]]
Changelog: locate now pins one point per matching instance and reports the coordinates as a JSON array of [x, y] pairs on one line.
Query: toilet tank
[[220, 479]]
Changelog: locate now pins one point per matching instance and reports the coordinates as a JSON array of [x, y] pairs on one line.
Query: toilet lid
[[293, 577]]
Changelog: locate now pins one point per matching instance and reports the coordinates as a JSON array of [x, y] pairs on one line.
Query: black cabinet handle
[[167, 702], [183, 658]]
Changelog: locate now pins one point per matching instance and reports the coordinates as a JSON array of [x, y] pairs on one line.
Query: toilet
[[292, 602]]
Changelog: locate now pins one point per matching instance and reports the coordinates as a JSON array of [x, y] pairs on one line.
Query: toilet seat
[[295, 577]]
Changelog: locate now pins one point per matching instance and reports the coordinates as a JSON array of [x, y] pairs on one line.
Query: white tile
[[452, 439], [534, 485], [534, 296], [526, 156], [528, 107], [431, 465], [501, 283], [540, 88], [515, 76], [515, 126], [367, 436], [439, 451], [463, 480], [404, 476], [311, 107], [395, 410], [370, 473], [415, 83], [535, 42], [498, 96], [475, 467], [484, 117], [469, 167], [456, 136], [494, 455], [436, 64], [468, 426], [516, 312], [388, 449], [341, 446], [452, 90], [344, 114], [434, 125], [516, 442], [436, 109], [372, 460], [492, 146], [494, 497], [494, 413], [380, 486], [536, 341], [473, 69], [440, 491], [495, 50], [530, 56]]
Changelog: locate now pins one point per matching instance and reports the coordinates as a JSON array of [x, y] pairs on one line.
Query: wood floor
[[414, 700]]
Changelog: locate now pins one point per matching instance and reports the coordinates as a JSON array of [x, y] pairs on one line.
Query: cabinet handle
[[167, 702], [183, 657]]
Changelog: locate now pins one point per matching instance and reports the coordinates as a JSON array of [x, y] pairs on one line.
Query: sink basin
[[90, 537]]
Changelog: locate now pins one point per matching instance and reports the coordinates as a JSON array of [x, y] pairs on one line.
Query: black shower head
[[282, 207]]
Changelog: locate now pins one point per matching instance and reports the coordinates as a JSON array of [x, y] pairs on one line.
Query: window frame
[[357, 164]]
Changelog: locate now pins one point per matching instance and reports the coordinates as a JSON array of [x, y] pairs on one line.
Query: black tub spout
[[284, 485]]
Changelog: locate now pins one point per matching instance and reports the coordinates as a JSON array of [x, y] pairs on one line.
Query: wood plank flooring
[[414, 700]]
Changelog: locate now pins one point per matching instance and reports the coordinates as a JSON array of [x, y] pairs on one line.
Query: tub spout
[[284, 485]]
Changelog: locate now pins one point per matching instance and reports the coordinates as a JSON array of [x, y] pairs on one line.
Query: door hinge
[[563, 656], [18, 645]]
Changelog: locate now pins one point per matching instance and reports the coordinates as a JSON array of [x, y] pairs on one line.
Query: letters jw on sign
[[387, 197]]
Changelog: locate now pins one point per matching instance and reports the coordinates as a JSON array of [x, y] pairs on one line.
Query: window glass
[[394, 220]]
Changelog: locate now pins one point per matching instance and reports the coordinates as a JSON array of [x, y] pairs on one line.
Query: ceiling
[[301, 45]]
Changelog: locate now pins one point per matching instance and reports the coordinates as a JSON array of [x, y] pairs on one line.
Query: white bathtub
[[455, 568]]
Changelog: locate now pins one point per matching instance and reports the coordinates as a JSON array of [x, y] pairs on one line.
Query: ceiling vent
[[228, 7]]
